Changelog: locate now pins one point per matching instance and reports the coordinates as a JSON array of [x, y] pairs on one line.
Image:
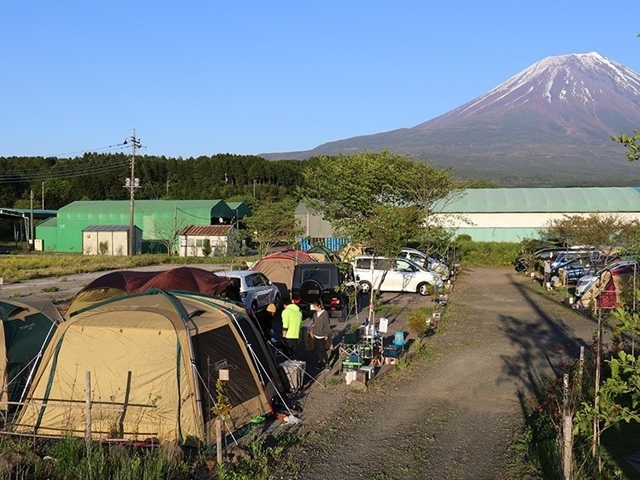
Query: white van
[[402, 275]]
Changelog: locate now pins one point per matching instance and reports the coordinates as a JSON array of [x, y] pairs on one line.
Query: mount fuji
[[549, 125]]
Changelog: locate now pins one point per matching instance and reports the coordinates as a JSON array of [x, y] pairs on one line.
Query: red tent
[[124, 282]]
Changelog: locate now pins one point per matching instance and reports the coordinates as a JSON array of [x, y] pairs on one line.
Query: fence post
[[567, 430], [218, 424], [87, 397]]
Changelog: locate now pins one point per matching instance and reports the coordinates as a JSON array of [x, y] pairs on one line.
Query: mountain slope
[[551, 124]]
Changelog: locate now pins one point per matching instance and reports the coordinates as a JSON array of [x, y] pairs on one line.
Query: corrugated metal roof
[[575, 199], [210, 208], [206, 230], [107, 228]]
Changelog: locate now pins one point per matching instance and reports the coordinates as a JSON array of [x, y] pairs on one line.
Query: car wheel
[[425, 289], [276, 301], [365, 287]]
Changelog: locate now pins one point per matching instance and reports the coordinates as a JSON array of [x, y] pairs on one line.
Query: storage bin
[[393, 351], [369, 371]]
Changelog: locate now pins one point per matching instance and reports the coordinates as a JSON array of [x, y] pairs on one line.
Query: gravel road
[[454, 415]]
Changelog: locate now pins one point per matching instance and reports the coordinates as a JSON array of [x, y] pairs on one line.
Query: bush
[[417, 320], [206, 247], [488, 254]]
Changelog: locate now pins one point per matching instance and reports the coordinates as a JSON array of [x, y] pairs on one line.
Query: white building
[[513, 214], [193, 239], [109, 240]]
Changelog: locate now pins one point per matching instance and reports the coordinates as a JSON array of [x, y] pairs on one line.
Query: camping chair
[[398, 341]]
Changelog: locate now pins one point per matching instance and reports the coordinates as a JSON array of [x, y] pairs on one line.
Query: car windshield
[[320, 275]]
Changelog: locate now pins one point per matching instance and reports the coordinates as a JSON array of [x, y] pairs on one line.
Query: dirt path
[[452, 417]]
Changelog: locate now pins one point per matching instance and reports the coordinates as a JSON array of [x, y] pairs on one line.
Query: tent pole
[[196, 375], [36, 361]]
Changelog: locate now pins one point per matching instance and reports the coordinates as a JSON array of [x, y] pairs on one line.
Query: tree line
[[100, 176]]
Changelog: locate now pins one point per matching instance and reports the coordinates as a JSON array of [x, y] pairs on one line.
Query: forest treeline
[[99, 176]]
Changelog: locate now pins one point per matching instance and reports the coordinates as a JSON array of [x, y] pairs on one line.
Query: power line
[[67, 170]]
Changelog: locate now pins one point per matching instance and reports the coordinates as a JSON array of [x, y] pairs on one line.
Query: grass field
[[17, 268]]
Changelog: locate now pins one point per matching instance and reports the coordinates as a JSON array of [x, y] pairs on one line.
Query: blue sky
[[249, 77]]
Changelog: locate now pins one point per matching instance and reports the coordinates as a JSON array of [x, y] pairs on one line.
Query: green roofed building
[[513, 214], [158, 220]]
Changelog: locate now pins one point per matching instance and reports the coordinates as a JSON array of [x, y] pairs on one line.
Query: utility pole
[[132, 184], [31, 229]]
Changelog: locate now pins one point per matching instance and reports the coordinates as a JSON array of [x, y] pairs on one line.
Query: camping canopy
[[124, 282], [27, 324], [154, 360], [278, 267]]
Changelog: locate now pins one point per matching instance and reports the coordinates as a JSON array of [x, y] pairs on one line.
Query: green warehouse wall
[[152, 216]]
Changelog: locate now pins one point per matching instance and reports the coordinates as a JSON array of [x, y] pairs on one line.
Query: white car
[[425, 261], [402, 275], [256, 290]]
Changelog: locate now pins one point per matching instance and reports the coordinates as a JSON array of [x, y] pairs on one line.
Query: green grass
[[488, 254], [17, 268]]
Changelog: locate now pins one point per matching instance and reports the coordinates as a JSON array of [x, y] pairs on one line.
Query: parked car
[[425, 261], [572, 270], [402, 275], [256, 290], [571, 254], [537, 258], [330, 282]]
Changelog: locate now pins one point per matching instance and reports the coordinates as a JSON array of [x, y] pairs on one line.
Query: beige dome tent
[[154, 360], [279, 266]]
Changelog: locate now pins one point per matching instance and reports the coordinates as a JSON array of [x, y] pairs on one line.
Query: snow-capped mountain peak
[[557, 83]]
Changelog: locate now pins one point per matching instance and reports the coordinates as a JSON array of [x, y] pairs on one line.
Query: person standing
[[547, 272], [274, 320], [291, 325], [321, 330]]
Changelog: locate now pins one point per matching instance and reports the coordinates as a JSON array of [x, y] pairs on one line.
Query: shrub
[[206, 247], [417, 320], [104, 248]]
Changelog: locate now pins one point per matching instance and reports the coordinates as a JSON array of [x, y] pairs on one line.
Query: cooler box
[[393, 351], [369, 371]]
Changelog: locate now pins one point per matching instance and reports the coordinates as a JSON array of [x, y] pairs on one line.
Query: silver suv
[[256, 290], [402, 275]]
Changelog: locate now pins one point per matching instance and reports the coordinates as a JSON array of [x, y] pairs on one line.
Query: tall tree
[[378, 199], [272, 223], [610, 231], [355, 192]]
